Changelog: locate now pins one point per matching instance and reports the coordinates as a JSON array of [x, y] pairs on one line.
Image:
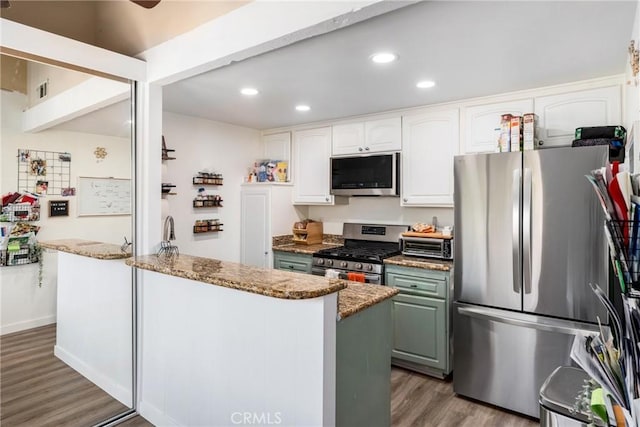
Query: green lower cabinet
[[421, 320], [288, 261], [363, 368]]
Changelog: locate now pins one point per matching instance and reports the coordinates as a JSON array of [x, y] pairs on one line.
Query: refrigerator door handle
[[527, 320], [515, 227], [526, 229]]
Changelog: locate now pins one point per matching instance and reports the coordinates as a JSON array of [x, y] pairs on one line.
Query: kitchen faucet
[[166, 248]]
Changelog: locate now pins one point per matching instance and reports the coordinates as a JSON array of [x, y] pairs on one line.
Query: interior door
[[256, 227], [564, 247], [487, 229]]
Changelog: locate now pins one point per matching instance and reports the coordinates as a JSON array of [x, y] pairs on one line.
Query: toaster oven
[[427, 247]]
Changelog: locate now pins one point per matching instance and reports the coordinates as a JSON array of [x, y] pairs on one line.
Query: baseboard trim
[[27, 324], [116, 391], [155, 416]]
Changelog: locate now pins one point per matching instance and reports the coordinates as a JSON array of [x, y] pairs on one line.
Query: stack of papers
[[613, 358]]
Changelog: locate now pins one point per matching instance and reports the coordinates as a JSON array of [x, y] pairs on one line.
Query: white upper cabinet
[[277, 146], [348, 139], [311, 156], [560, 115], [481, 122], [372, 136], [383, 135], [430, 141]]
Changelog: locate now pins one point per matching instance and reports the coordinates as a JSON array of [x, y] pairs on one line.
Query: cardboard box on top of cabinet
[[505, 133], [516, 133], [529, 122]]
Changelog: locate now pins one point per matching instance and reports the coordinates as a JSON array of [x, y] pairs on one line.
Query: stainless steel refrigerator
[[529, 239]]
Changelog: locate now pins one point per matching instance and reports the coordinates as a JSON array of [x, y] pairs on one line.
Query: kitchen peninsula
[[220, 341]]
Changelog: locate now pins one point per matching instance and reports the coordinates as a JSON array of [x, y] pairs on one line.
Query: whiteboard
[[104, 196]]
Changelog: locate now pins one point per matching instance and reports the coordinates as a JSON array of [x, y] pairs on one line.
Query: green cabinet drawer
[[420, 330], [292, 262], [422, 282]]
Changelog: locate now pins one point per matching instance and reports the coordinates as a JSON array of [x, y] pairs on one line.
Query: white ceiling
[[469, 48]]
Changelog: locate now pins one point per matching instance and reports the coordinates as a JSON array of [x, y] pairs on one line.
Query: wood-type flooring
[[39, 390]]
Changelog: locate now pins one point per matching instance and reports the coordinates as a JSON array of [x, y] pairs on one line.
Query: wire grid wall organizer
[[44, 172]]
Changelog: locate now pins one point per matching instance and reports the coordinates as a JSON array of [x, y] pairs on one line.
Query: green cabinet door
[[288, 261], [419, 330]]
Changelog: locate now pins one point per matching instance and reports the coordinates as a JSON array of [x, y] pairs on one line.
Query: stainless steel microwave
[[366, 175]]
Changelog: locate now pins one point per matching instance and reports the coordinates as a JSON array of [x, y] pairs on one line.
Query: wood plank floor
[[419, 400], [38, 389]]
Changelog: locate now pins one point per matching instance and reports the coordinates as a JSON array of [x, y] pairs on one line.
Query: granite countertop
[[304, 249], [417, 262], [269, 282], [88, 248], [359, 296]]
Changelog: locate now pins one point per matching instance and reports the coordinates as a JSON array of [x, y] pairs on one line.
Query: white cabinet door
[[383, 135], [347, 139], [255, 230], [277, 146], [560, 115], [430, 141], [481, 122], [311, 153]]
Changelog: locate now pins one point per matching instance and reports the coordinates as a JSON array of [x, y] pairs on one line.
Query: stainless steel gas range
[[365, 248]]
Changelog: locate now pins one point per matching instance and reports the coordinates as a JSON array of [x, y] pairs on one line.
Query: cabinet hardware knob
[[359, 148], [414, 286], [404, 200], [326, 199], [266, 253], [366, 148]]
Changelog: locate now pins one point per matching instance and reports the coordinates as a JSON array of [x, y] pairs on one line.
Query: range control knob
[[369, 267], [359, 266], [320, 261], [343, 264], [329, 262]]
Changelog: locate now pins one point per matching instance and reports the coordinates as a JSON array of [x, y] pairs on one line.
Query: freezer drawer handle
[[550, 325]]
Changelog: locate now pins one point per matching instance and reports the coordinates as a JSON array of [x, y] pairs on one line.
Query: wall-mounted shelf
[[207, 226], [208, 179], [208, 202], [166, 151]]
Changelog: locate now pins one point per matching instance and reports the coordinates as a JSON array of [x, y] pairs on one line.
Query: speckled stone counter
[[303, 249], [360, 296], [269, 282], [88, 248], [417, 262]]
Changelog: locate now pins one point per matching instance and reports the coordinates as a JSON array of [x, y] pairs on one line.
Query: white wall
[[632, 95], [109, 229], [381, 210], [59, 80], [222, 148]]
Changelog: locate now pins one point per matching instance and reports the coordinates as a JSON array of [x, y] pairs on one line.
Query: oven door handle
[[372, 277]]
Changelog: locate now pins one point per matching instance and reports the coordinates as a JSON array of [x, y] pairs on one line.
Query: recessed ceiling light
[[425, 84], [249, 91], [383, 57], [303, 108]]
